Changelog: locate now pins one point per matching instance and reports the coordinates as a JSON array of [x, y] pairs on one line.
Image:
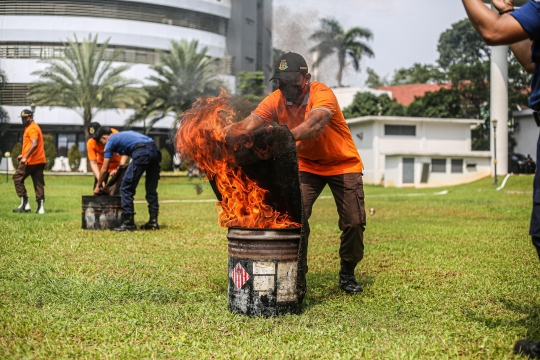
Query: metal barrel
[[263, 267], [101, 212]]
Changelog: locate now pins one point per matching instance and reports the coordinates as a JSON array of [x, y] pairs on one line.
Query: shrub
[[50, 151], [166, 160], [74, 157], [15, 152]]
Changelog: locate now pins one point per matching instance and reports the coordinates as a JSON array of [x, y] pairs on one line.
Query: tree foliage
[[417, 74], [4, 116], [50, 151], [374, 80], [74, 157], [366, 103], [182, 76], [15, 152], [252, 85], [166, 160], [85, 80], [347, 45], [445, 103]]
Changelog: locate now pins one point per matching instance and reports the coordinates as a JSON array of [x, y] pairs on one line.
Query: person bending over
[[145, 157]]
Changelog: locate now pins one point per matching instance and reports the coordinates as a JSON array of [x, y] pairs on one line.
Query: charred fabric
[[255, 176]]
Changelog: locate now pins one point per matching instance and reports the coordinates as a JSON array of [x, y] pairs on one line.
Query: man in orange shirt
[[31, 163], [326, 152], [95, 150]]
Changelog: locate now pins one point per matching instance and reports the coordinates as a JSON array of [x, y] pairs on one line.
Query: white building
[[418, 152], [526, 133], [237, 32]]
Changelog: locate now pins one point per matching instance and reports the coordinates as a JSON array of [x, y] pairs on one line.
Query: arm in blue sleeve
[[529, 18]]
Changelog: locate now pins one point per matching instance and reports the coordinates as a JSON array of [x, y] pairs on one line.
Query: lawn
[[445, 276]]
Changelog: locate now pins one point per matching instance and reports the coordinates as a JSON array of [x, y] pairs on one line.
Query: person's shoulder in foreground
[[529, 18]]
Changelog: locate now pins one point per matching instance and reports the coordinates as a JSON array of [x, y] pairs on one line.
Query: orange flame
[[201, 138]]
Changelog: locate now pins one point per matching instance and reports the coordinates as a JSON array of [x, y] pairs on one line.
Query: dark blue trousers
[[146, 158], [535, 217]]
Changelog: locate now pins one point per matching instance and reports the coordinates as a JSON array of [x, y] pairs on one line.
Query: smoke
[[292, 30]]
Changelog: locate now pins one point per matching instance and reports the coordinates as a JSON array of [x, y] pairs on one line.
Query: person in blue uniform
[[145, 157], [519, 28]]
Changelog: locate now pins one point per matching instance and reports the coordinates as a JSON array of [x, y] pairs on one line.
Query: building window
[[457, 166], [438, 165], [400, 130], [15, 95], [117, 9]]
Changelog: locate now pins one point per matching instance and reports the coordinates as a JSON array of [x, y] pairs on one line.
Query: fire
[[202, 139]]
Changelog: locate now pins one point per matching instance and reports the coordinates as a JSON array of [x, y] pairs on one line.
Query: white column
[[499, 105]]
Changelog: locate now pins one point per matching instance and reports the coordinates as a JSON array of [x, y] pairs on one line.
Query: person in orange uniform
[[326, 152], [95, 151], [32, 162]]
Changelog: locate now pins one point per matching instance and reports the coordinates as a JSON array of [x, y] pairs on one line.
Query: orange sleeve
[[266, 109], [324, 99], [91, 150]]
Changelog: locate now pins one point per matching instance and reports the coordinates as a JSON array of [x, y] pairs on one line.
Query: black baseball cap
[[26, 113], [289, 66], [93, 128]]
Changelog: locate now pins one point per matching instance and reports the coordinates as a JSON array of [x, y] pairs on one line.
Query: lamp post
[[7, 155], [494, 122], [33, 106]]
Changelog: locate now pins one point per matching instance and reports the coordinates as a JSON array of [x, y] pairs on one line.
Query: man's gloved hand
[[502, 5]]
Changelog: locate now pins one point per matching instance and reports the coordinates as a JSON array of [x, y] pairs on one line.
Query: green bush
[[50, 151], [15, 152], [166, 160], [74, 157]]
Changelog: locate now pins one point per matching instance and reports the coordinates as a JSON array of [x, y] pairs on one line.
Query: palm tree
[[4, 116], [85, 80], [332, 39], [183, 75]]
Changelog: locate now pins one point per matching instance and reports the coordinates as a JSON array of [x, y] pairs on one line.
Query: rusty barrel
[[263, 266], [101, 212]]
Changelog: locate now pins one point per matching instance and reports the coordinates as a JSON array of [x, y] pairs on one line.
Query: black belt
[[140, 145]]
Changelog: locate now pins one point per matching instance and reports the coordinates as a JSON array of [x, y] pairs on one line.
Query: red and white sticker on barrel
[[239, 276]]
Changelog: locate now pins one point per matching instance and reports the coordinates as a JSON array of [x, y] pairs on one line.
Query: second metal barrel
[[101, 212]]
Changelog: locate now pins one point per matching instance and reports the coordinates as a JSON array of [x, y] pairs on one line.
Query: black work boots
[[152, 224], [24, 207], [347, 280], [128, 223]]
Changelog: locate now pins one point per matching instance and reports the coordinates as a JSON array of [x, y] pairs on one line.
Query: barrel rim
[[295, 229]]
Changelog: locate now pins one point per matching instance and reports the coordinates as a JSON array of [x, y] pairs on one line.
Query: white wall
[[394, 168], [526, 134]]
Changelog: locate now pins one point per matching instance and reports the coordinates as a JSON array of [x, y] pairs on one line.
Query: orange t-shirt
[[33, 131], [332, 150], [95, 151]]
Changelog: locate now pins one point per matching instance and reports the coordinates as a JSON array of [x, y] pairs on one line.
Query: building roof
[[405, 94], [403, 119]]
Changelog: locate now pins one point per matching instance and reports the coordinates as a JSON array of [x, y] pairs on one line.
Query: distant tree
[[50, 151], [366, 103], [417, 74], [347, 45], [15, 152], [252, 85], [4, 116], [374, 80], [74, 157], [85, 80], [445, 103], [181, 77]]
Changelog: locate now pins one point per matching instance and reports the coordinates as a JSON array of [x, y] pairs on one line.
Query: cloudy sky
[[405, 31]]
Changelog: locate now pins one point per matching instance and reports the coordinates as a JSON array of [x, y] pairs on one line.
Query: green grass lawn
[[444, 276]]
